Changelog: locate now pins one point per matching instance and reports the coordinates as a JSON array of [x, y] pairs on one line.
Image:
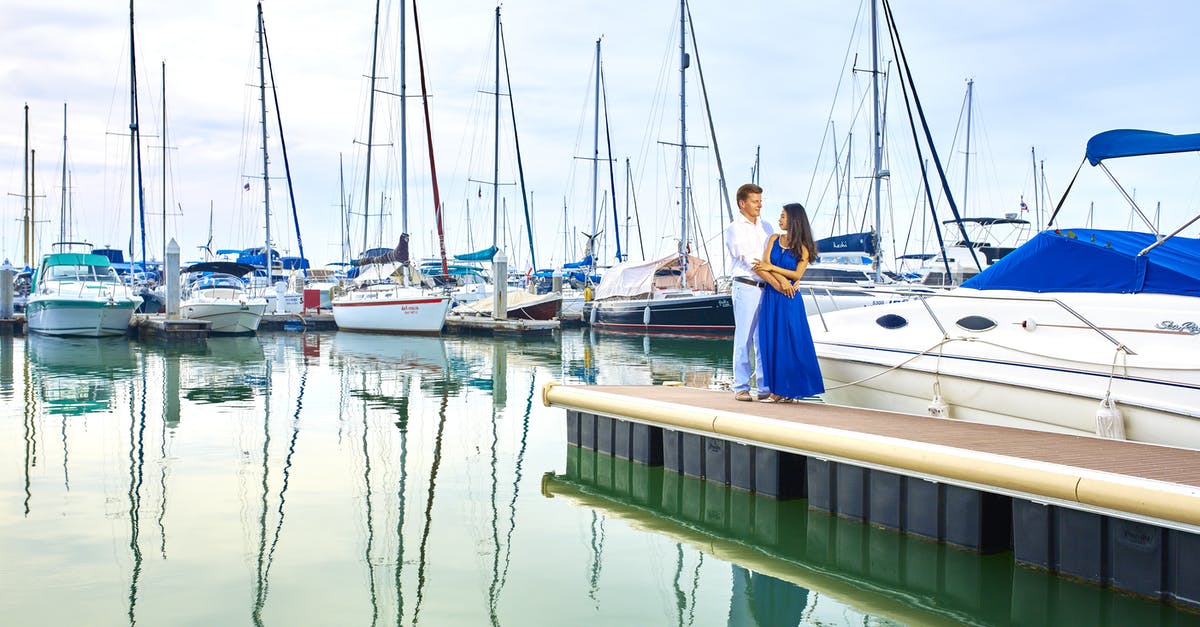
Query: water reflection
[[223, 370], [787, 560], [363, 480], [75, 376], [626, 359]]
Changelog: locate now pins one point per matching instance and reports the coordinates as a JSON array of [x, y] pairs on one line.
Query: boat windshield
[[215, 281], [82, 272]]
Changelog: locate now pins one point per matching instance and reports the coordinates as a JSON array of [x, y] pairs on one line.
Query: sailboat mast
[[967, 161], [262, 87], [344, 240], [403, 128], [62, 218], [132, 135], [596, 146], [28, 198], [370, 128], [164, 161], [878, 173], [496, 142], [683, 186]]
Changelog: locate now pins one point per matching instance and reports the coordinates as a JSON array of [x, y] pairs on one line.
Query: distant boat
[[676, 294], [382, 300], [79, 294], [216, 292], [379, 304]]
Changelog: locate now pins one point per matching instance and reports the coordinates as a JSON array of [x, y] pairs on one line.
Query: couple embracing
[[769, 316]]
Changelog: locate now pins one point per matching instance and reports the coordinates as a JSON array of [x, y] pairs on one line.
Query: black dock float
[[983, 489]]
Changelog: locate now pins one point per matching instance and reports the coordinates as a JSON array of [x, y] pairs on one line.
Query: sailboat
[[277, 277], [382, 300], [676, 293], [479, 298]]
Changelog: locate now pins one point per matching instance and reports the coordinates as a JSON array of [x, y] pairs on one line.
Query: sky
[[786, 83]]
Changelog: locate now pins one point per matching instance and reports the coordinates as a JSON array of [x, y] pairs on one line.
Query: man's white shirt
[[745, 241]]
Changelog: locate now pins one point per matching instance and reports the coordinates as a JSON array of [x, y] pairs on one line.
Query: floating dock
[[158, 327], [1113, 513], [12, 326], [309, 321], [487, 325]]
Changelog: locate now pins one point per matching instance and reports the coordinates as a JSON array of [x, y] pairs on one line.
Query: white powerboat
[[79, 294], [215, 291], [1084, 331]]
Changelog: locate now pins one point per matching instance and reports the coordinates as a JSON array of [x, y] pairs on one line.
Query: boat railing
[[923, 295]]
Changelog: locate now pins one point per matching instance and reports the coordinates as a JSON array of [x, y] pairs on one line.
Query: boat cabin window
[[834, 275], [891, 321], [976, 323]]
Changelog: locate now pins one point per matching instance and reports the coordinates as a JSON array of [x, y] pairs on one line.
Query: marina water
[[349, 479]]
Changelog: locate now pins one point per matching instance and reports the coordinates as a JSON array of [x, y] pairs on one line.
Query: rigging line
[[906, 69], [837, 90], [287, 170], [637, 215], [612, 177], [712, 131], [517, 146], [925, 177]]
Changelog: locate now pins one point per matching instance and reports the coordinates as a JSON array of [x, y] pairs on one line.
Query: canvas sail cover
[[641, 279], [480, 255], [850, 242]]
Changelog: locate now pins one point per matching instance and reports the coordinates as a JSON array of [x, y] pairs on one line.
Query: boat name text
[[1191, 328]]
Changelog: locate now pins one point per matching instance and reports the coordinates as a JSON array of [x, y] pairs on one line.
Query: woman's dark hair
[[800, 235]]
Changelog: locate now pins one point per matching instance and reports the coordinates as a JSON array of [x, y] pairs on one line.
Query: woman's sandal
[[774, 398]]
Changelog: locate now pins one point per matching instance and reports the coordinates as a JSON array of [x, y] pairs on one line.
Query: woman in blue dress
[[790, 368]]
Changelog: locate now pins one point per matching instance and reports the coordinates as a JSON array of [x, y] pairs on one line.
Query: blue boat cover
[[1133, 143], [1090, 260], [585, 263], [480, 255]]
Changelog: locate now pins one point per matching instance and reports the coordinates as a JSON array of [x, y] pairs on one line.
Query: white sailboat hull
[[391, 310], [1039, 367]]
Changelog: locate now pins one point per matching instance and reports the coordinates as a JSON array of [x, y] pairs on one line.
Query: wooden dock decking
[[1136, 481]]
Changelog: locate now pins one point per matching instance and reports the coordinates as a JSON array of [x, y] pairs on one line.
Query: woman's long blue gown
[[789, 359]]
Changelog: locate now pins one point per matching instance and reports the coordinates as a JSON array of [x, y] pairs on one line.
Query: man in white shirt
[[746, 239]]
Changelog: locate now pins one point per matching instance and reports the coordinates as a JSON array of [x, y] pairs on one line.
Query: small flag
[[1024, 207], [246, 187]]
